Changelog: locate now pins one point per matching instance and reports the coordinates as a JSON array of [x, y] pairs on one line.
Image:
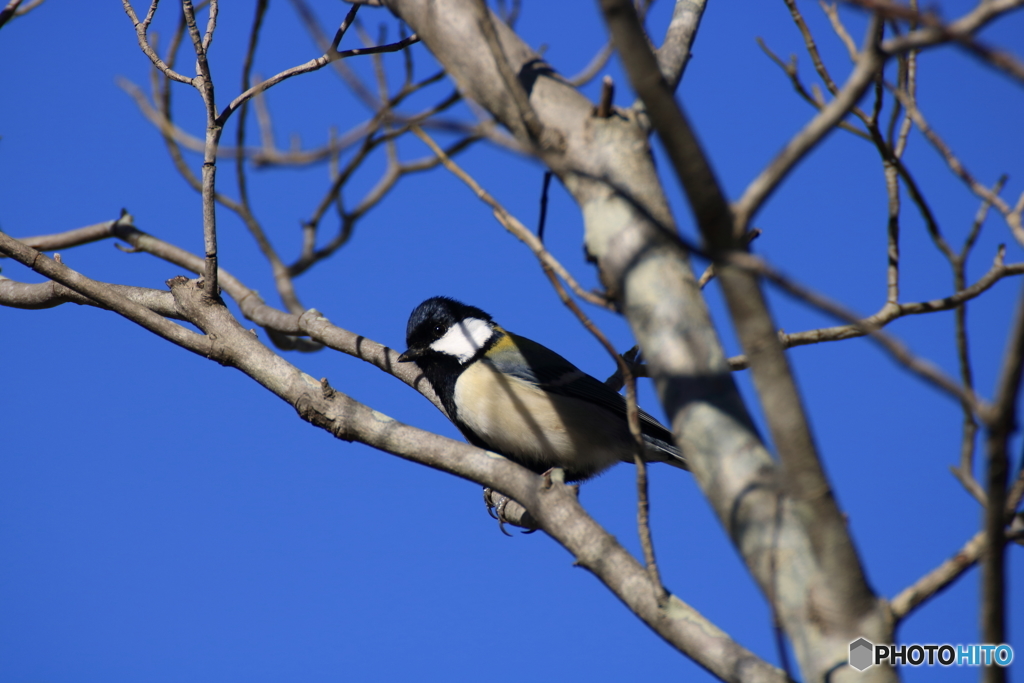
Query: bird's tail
[[658, 450]]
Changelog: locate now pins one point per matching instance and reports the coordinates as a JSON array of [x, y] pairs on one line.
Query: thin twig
[[709, 273], [597, 62], [924, 369], [817, 128], [512, 224], [347, 75], [625, 375], [243, 208], [959, 32], [606, 103], [250, 54], [8, 11], [141, 32], [542, 221], [832, 13], [812, 48], [204, 84], [268, 155], [888, 313], [965, 472], [633, 420], [1013, 217], [318, 63], [938, 579], [388, 179], [789, 68]]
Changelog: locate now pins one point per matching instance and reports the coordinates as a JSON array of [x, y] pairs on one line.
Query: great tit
[[511, 395]]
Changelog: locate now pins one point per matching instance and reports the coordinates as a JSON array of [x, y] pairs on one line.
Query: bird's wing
[[539, 365]]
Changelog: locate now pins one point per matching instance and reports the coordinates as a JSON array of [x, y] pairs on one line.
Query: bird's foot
[[497, 509], [508, 511]]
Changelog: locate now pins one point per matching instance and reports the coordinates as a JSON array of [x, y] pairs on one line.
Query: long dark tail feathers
[[662, 451]]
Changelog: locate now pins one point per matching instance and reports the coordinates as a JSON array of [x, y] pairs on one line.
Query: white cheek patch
[[464, 339]]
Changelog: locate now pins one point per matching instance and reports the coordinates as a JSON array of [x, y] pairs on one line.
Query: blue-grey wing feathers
[[539, 365]]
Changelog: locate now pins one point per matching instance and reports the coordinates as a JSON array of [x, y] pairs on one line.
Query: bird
[[515, 397]]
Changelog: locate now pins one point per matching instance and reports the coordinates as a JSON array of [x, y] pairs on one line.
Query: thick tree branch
[[846, 598], [103, 294], [606, 166], [674, 53], [1001, 425], [50, 294], [279, 325], [550, 503]]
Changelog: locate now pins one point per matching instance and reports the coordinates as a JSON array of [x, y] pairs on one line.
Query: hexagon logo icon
[[860, 654]]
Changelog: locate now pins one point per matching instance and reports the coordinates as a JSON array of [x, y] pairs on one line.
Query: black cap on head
[[432, 318]]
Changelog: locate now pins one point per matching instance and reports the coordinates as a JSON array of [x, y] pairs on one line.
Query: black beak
[[411, 355]]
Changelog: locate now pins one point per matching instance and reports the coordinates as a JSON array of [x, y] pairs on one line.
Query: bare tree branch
[[960, 32], [79, 236], [13, 9], [923, 368], [829, 116], [888, 313], [938, 579], [790, 69], [806, 489], [782, 518], [530, 131], [674, 53], [310, 323], [597, 62], [282, 278], [50, 294], [103, 294], [551, 504], [964, 472], [316, 64], [203, 82], [1012, 216], [1001, 424], [269, 155], [624, 213], [141, 32], [512, 224]]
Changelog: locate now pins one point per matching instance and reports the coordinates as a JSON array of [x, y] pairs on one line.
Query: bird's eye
[[438, 330]]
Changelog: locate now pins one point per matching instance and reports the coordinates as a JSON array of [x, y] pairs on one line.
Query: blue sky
[[148, 537]]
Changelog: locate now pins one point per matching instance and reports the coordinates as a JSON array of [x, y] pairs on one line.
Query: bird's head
[[441, 327]]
